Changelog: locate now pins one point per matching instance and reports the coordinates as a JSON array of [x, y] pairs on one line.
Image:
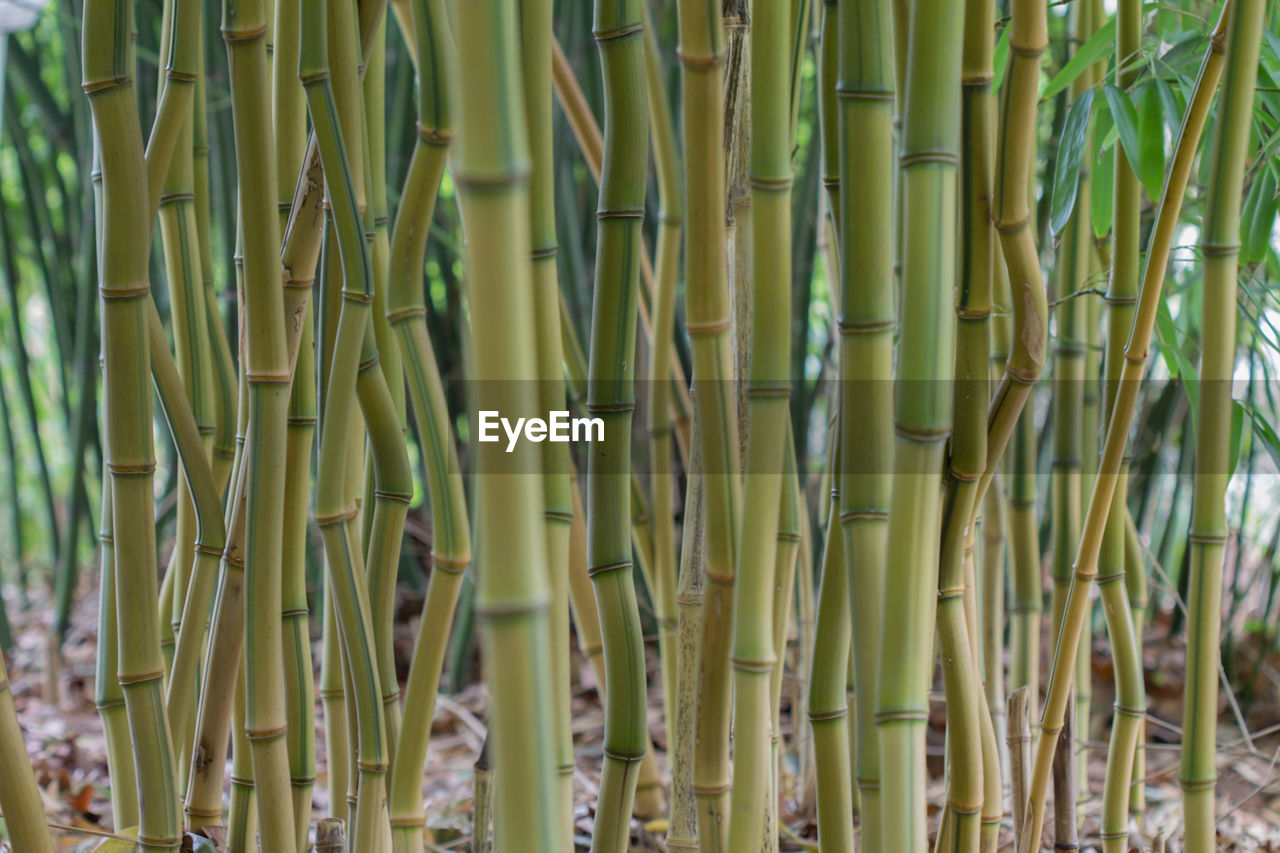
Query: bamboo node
[[619, 32], [339, 517], [905, 715], [1012, 227], [628, 757], [964, 476], [1199, 784], [135, 292], [208, 550], [925, 435], [101, 706], [709, 790], [140, 678], [1064, 846], [758, 666], [697, 62], [760, 391], [866, 327], [864, 515], [92, 87], [712, 327], [1120, 298], [929, 155], [1132, 713], [618, 408], [372, 766], [371, 361], [772, 184], [864, 94], [865, 784], [1028, 52], [410, 822], [234, 36], [159, 841], [405, 313], [493, 183], [604, 568], [301, 421], [263, 735], [542, 253], [558, 515], [171, 197], [360, 296], [980, 80], [1103, 580], [302, 781], [242, 781], [450, 565], [1206, 538], [1219, 250], [434, 136], [522, 608], [267, 377], [830, 183], [398, 497], [788, 536], [825, 716], [140, 469], [621, 213], [964, 811], [294, 612], [950, 594], [1113, 836]]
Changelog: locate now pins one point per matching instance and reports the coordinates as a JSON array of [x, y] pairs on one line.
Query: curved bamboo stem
[[20, 801]]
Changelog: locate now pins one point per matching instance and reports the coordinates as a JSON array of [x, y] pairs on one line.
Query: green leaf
[[1174, 358], [1102, 179], [1263, 429], [1151, 140], [1066, 176], [1001, 58], [1125, 117], [1099, 45], [1171, 103], [1258, 217], [1237, 435]]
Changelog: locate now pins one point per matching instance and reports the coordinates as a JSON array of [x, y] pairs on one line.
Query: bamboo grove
[[862, 297]]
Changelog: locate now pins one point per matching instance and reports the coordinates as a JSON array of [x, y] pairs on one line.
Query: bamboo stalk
[[20, 801], [1136, 351], [702, 54], [130, 456], [768, 393], [865, 91], [513, 592], [451, 543], [922, 414], [618, 27], [1219, 246], [790, 550]]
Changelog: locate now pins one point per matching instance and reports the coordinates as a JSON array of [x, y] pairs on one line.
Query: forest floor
[[65, 743]]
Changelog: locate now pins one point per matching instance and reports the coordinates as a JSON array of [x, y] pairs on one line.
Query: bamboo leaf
[[1001, 58], [1174, 358], [1264, 430], [1103, 177], [1151, 140], [1257, 218], [1099, 45], [1125, 116], [1066, 177], [1237, 435]]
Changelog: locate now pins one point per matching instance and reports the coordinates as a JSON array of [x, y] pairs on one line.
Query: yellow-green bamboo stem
[[536, 38], [702, 54], [666, 270], [130, 455], [108, 696], [242, 810], [1136, 352], [1135, 580], [333, 698], [828, 707], [682, 829], [865, 92], [20, 801], [787, 554], [1219, 246], [768, 394], [267, 376], [618, 27], [322, 52], [922, 414], [513, 599], [451, 543]]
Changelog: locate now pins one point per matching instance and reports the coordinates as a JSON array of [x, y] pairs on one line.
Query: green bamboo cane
[[1122, 294], [666, 271], [865, 91], [702, 55], [682, 829], [335, 509], [267, 374], [513, 596], [768, 395], [922, 414], [1135, 578], [242, 808], [828, 708], [130, 456], [451, 544], [1136, 351], [108, 695], [20, 801], [788, 553], [968, 453], [618, 26], [288, 109], [1219, 245], [536, 37], [828, 56]]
